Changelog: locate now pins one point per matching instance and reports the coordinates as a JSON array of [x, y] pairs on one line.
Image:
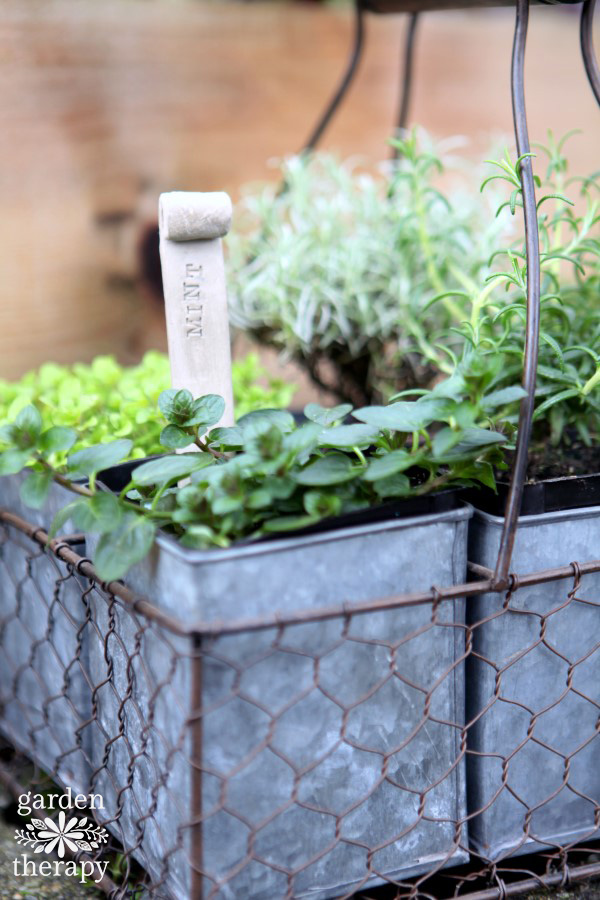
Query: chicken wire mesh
[[416, 750]]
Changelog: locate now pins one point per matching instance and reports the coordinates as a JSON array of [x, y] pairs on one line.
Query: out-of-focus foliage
[[104, 401], [338, 269]]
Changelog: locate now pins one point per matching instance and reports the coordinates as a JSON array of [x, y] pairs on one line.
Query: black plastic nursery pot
[[539, 660], [328, 719]]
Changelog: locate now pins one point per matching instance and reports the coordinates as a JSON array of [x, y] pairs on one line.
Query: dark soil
[[546, 461], [571, 457]]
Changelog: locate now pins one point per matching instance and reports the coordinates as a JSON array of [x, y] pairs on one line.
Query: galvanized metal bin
[[41, 612], [307, 741], [547, 698], [10, 499]]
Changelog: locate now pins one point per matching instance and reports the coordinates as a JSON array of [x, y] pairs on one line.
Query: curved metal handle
[[587, 47], [407, 75], [351, 70], [515, 493], [347, 79]]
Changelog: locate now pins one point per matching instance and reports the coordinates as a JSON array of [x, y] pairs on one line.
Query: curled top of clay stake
[[192, 216]]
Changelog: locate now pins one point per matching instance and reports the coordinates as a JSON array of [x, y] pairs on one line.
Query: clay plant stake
[[191, 227]]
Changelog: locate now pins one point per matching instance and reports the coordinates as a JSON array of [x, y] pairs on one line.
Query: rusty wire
[[329, 752], [215, 751]]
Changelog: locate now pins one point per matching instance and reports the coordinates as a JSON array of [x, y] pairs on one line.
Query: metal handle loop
[[347, 79], [515, 493], [587, 47], [407, 76]]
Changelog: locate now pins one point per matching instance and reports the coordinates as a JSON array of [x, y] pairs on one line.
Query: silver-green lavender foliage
[[343, 263]]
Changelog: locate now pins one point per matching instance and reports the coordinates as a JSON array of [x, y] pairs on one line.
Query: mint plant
[[104, 400], [265, 475]]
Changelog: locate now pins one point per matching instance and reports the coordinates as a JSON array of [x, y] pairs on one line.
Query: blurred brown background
[[104, 105]]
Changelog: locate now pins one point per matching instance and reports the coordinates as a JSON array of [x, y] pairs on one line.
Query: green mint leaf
[[13, 461], [390, 464], [224, 504], [177, 406], [347, 436], [279, 487], [331, 469], [100, 513], [175, 438], [29, 424], [166, 404], [170, 468], [103, 456], [321, 505], [404, 416], [63, 516], [259, 499], [119, 549], [198, 537], [471, 441], [394, 486], [289, 523], [57, 439], [228, 438], [206, 411], [34, 490], [278, 417], [484, 472], [324, 416], [304, 438], [7, 434], [444, 441]]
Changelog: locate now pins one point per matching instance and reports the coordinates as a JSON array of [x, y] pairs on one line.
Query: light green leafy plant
[[338, 270], [104, 400]]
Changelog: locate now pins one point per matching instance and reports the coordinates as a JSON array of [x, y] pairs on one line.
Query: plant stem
[[433, 484], [83, 491], [206, 449], [360, 455], [65, 482]]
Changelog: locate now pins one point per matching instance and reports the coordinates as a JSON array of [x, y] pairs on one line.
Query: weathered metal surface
[[41, 611], [10, 499], [44, 698], [533, 769], [290, 733]]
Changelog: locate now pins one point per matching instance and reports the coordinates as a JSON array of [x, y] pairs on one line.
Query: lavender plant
[[339, 270]]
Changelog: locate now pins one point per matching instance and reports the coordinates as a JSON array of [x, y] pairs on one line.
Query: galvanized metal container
[[555, 772], [10, 499], [294, 728], [41, 612]]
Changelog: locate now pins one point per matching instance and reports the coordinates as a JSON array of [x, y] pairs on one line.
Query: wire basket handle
[[517, 481]]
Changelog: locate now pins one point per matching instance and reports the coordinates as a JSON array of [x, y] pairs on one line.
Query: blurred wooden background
[[104, 105]]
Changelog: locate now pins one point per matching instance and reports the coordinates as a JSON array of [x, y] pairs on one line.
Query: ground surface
[[15, 887], [20, 888]]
